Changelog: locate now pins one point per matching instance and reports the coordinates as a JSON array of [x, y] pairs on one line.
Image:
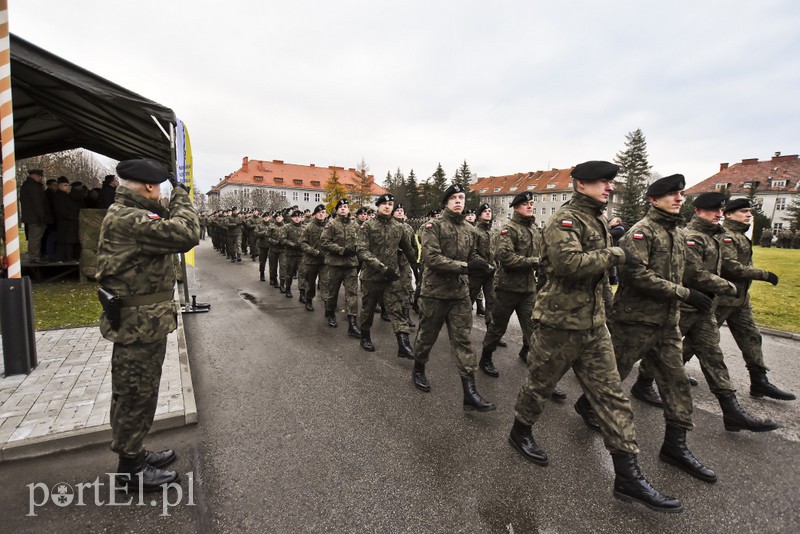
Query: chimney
[[750, 161], [778, 154], [278, 161], [723, 166], [245, 161], [312, 165]]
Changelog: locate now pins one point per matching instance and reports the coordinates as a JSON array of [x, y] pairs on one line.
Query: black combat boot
[[407, 317], [261, 276], [366, 341], [282, 287], [352, 329], [273, 282], [385, 314], [331, 317], [502, 343], [630, 485], [735, 418], [760, 386], [585, 410], [643, 390], [523, 353], [404, 348], [160, 458], [558, 394], [674, 451], [309, 304], [692, 381], [288, 289], [233, 259], [152, 478], [479, 309], [419, 378], [239, 258], [486, 364], [302, 297], [472, 399], [521, 439]]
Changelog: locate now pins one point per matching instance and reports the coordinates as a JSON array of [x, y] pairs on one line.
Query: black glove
[[631, 258], [391, 276], [698, 300], [772, 278], [349, 252], [175, 184], [478, 266]]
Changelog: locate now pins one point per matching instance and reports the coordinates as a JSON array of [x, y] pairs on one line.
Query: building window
[[306, 197], [779, 183], [551, 186], [294, 195], [544, 211], [554, 197], [536, 198], [512, 189], [258, 178], [283, 193], [541, 224], [497, 189], [777, 227], [531, 187], [722, 185], [315, 183], [563, 196], [297, 182], [780, 203], [484, 190], [316, 197], [552, 210]]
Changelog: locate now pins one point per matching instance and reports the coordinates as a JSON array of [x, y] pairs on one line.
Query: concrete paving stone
[[64, 416], [82, 414], [6, 434], [16, 412], [11, 422], [37, 418], [55, 405], [38, 407], [41, 429], [76, 404], [76, 391], [21, 433]]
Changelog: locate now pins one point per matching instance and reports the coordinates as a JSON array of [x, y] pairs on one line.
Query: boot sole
[[628, 498], [759, 395], [731, 428], [668, 459], [424, 389], [471, 408], [166, 462], [536, 461], [487, 373], [589, 426]]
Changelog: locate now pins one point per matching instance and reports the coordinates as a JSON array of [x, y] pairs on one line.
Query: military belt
[[144, 300]]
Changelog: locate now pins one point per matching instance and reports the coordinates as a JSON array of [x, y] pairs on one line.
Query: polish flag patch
[[638, 235], [152, 215], [503, 232], [429, 226], [566, 223], [691, 243], [727, 240]]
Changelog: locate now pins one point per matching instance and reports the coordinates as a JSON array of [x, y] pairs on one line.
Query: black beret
[[297, 213], [710, 201], [319, 208], [279, 213], [592, 171], [667, 184], [483, 207], [527, 196], [109, 178], [369, 211], [386, 197], [469, 212], [235, 208], [452, 190], [38, 172], [77, 184], [266, 215], [737, 204], [399, 206], [142, 170], [342, 202], [63, 180]]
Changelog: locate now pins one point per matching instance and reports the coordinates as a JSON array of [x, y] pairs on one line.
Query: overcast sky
[[510, 86]]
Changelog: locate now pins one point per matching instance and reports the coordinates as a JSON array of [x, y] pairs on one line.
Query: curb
[[775, 333]]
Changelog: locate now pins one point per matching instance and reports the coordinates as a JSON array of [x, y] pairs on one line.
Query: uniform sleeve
[[642, 277], [364, 252], [733, 269], [409, 247], [327, 240], [566, 252], [433, 257], [700, 278], [179, 233], [507, 257]]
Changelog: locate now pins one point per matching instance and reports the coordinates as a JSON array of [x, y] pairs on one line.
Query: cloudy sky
[[510, 86]]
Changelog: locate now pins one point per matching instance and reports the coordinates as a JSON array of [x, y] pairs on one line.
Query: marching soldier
[[766, 237], [449, 255], [261, 231], [406, 269], [314, 257], [292, 236], [338, 240], [276, 273], [234, 226]]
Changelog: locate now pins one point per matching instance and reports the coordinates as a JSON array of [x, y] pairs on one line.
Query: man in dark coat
[[66, 214]]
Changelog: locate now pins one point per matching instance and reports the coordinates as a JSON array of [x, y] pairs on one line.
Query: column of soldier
[[677, 284]]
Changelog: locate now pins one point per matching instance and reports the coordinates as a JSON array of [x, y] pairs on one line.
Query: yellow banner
[[189, 175]]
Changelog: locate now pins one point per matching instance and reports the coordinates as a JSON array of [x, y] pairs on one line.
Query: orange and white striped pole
[[11, 222]]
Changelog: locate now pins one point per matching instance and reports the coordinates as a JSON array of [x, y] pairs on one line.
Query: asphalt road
[[302, 431]]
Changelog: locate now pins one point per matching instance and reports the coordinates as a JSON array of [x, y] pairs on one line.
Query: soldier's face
[[486, 215], [744, 215], [599, 190], [525, 209], [455, 202], [343, 211], [671, 202], [320, 215], [386, 208], [470, 217], [400, 213], [297, 218], [712, 216]]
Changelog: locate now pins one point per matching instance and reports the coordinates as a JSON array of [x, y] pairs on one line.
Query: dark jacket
[[67, 213], [34, 205]]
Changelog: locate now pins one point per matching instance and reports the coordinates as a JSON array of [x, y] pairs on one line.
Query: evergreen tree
[[434, 190], [334, 191], [634, 172], [362, 194], [412, 196], [793, 212], [463, 177], [388, 182]]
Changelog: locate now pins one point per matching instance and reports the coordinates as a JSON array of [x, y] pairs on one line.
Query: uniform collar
[[483, 225], [705, 226], [129, 198], [667, 220], [385, 219], [735, 226], [456, 218], [526, 221], [586, 203]]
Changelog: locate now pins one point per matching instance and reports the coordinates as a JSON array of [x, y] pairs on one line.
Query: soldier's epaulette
[[637, 235]]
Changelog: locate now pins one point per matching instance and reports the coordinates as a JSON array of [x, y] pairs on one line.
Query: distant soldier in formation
[[234, 224], [261, 231], [314, 256], [408, 270], [766, 237], [291, 238], [276, 274], [796, 239], [785, 238], [338, 240]]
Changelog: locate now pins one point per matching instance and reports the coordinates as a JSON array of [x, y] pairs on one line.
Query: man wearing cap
[[36, 212], [233, 225], [571, 333], [377, 244], [292, 236], [276, 272], [736, 311], [338, 240], [362, 215], [407, 272], [66, 213], [449, 256], [138, 240], [261, 231], [314, 257], [470, 216]]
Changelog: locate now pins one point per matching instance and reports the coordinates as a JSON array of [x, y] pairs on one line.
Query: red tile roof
[[765, 172], [276, 173], [536, 182]]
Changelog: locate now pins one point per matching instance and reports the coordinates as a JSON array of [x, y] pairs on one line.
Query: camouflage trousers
[[263, 254], [276, 273], [302, 283], [478, 284], [334, 278], [406, 283], [457, 314], [290, 266], [313, 272], [590, 354], [253, 245], [506, 303], [234, 245], [659, 348], [135, 376], [744, 331], [244, 240], [394, 298]]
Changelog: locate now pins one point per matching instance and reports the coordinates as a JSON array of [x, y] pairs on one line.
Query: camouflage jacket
[[518, 248], [737, 252], [484, 243], [274, 236], [377, 243], [576, 257], [402, 260], [310, 242], [292, 236], [261, 231], [234, 224], [339, 235], [704, 252], [448, 244], [135, 257]]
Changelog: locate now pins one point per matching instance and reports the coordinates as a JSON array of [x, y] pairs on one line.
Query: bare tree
[[78, 165]]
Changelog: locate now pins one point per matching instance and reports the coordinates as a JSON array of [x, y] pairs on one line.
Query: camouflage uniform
[[448, 244], [292, 235], [338, 240], [253, 222], [377, 243], [485, 249], [138, 239], [404, 265], [571, 314], [314, 257], [518, 248], [203, 226], [234, 225], [766, 238], [276, 277], [261, 232]]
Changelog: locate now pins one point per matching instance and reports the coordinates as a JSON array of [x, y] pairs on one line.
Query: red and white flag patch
[[503, 232], [690, 243], [152, 215], [566, 223], [727, 240], [638, 235], [429, 226]]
